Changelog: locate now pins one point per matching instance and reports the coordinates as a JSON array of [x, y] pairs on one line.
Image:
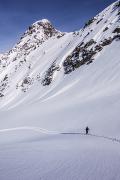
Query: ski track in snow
[[45, 131]]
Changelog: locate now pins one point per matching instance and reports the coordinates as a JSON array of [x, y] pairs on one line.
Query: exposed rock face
[[117, 30], [82, 55], [49, 75], [1, 95]]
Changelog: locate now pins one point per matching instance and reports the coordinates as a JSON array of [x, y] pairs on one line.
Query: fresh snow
[[42, 127], [43, 21]]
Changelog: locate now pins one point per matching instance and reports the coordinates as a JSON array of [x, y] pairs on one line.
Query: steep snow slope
[[53, 83], [44, 55]]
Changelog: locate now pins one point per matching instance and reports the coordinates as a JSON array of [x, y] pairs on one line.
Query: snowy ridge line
[[45, 131], [36, 129]]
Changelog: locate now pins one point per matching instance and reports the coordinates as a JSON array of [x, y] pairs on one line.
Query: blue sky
[[66, 15]]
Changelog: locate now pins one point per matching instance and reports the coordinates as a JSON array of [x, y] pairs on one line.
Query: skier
[[87, 129]]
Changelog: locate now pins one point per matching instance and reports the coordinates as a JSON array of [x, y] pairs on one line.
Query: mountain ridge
[[28, 65], [50, 91]]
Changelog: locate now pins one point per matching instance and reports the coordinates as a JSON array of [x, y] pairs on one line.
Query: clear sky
[[66, 15]]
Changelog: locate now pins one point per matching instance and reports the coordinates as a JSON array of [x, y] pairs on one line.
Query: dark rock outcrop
[[49, 74]]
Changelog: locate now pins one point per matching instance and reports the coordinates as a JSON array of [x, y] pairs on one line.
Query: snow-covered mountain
[[44, 55], [63, 82]]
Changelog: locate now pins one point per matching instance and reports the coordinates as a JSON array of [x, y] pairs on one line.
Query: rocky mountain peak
[[43, 26], [35, 35]]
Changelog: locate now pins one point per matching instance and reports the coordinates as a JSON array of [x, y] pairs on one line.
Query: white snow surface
[[42, 127]]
